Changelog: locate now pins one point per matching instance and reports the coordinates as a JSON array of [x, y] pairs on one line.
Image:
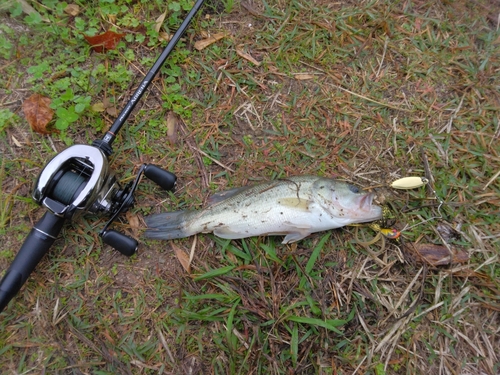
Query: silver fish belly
[[294, 207]]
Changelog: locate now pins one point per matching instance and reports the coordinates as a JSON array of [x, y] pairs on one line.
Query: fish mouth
[[373, 212], [365, 203]]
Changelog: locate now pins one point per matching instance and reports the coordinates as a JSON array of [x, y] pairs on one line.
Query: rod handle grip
[[36, 245]]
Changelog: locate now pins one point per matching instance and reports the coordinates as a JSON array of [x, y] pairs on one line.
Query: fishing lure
[[411, 182]]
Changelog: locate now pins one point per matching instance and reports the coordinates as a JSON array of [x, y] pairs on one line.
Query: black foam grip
[[36, 245], [164, 179], [124, 244]]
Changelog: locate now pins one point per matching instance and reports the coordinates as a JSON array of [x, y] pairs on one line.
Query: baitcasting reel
[[79, 180]]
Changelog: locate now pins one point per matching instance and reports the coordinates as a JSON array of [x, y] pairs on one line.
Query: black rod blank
[[110, 135]]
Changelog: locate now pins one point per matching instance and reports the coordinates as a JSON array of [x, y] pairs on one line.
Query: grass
[[359, 91]]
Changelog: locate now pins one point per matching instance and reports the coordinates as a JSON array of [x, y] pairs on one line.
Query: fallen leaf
[[38, 113], [303, 76], [108, 40], [246, 56], [133, 221], [204, 43], [164, 36], [16, 142], [172, 127], [98, 107], [72, 10], [159, 21], [183, 257], [112, 111], [109, 107], [448, 232], [438, 255]]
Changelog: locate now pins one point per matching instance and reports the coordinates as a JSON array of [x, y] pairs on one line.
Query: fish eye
[[353, 189]]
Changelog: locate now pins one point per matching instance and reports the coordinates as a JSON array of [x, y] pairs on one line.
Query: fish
[[294, 207]]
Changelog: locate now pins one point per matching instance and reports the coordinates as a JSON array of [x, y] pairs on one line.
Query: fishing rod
[[79, 179]]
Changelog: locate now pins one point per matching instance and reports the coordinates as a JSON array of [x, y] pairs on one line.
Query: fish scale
[[295, 207]]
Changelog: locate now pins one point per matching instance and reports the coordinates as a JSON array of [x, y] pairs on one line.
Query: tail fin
[[167, 226]]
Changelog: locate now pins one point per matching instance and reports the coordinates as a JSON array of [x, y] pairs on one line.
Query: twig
[[454, 115], [383, 56], [165, 345], [369, 99], [491, 180], [201, 166], [211, 158], [427, 168]]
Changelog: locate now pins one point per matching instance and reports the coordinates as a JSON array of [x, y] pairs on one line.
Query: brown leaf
[[437, 255], [133, 221], [112, 111], [159, 21], [204, 43], [72, 10], [246, 56], [108, 40], [38, 113], [172, 127], [303, 76], [109, 107], [16, 142], [162, 35], [183, 257]]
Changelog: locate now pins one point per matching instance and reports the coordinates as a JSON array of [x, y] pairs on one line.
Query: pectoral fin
[[296, 232], [295, 236]]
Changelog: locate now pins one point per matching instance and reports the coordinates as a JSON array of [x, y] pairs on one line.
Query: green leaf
[[68, 95], [33, 18], [230, 319], [294, 344], [67, 115], [61, 124], [215, 273], [6, 118], [80, 107], [16, 9], [270, 251], [175, 6], [5, 47], [315, 253], [328, 324], [38, 70]]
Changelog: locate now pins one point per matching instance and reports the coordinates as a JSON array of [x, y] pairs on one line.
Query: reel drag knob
[[164, 179], [124, 244]]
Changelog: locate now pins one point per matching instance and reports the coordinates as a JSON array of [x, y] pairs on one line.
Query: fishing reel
[[75, 181], [79, 180]]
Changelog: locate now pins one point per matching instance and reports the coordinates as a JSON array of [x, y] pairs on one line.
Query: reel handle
[[36, 245], [118, 241], [164, 179]]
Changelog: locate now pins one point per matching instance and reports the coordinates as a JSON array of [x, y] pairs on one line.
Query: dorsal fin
[[223, 195]]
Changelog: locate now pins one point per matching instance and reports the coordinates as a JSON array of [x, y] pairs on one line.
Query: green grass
[[357, 91]]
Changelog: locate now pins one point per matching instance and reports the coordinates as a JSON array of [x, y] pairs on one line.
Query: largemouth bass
[[294, 207]]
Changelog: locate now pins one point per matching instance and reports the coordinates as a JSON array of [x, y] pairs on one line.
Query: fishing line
[[407, 183]]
